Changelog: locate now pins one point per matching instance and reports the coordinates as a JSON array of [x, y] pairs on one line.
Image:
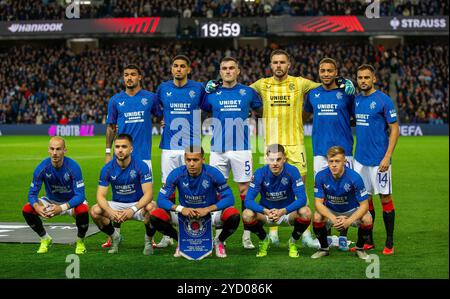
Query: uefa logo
[[195, 228]]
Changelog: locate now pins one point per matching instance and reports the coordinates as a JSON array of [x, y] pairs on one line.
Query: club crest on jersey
[[339, 95], [144, 101], [291, 86], [242, 92], [373, 105], [192, 94], [169, 93], [133, 174], [121, 104], [66, 177], [347, 187], [284, 181], [317, 95], [195, 227], [205, 184]]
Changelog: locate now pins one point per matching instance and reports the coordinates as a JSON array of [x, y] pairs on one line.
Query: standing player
[[130, 112], [332, 109], [198, 185], [341, 201], [64, 188], [377, 133], [131, 184], [180, 99], [279, 184], [230, 145], [282, 97]]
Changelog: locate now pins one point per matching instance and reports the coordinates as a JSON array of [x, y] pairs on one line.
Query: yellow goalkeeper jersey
[[283, 108]]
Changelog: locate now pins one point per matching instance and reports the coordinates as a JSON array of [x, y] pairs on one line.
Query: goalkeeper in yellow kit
[[282, 97]]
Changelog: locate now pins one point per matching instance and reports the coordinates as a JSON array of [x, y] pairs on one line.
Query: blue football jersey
[[126, 183], [182, 114], [332, 110], [373, 115], [133, 115], [343, 194], [196, 192], [230, 109], [276, 191], [64, 184]]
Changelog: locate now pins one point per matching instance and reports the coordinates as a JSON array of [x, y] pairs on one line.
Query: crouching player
[[132, 194], [279, 184], [64, 187], [341, 201], [198, 185]]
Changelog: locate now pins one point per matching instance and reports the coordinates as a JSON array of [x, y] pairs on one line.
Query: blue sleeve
[[111, 118], [166, 191], [205, 105], [226, 196], [390, 114], [156, 108], [318, 189], [360, 190], [256, 99], [35, 185], [299, 190], [104, 176], [253, 191], [78, 186], [307, 106], [146, 174]]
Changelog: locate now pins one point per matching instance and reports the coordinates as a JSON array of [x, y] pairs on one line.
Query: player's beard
[[279, 74], [132, 86], [366, 88]]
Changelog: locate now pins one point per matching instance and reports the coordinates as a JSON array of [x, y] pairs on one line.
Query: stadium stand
[[52, 84], [13, 10]]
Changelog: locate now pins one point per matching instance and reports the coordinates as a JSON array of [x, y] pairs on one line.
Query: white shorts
[[321, 163], [375, 182], [349, 213], [240, 162], [170, 159], [119, 206], [46, 202], [215, 218]]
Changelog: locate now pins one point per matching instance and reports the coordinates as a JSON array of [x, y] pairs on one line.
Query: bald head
[[56, 150]]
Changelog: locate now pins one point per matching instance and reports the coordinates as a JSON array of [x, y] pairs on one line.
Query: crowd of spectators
[[52, 84], [12, 10]]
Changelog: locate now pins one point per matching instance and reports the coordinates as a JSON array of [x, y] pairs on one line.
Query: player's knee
[[81, 209], [248, 216], [159, 215], [95, 211], [317, 217], [28, 209], [304, 213], [366, 220], [229, 213]]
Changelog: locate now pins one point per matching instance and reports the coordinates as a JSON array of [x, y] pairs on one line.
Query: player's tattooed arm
[[111, 131]]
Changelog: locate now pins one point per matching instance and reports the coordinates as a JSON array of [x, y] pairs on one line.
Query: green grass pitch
[[420, 183]]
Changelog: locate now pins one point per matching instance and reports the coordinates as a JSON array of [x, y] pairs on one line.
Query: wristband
[[108, 150], [134, 208], [64, 207], [179, 208]]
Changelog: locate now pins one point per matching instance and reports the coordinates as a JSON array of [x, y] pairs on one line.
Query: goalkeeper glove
[[347, 84], [213, 85]]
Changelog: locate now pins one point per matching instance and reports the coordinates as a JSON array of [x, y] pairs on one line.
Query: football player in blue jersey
[[198, 185], [230, 107], [130, 112], [64, 188], [131, 183], [341, 201], [180, 100], [377, 133], [332, 110], [283, 200]]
